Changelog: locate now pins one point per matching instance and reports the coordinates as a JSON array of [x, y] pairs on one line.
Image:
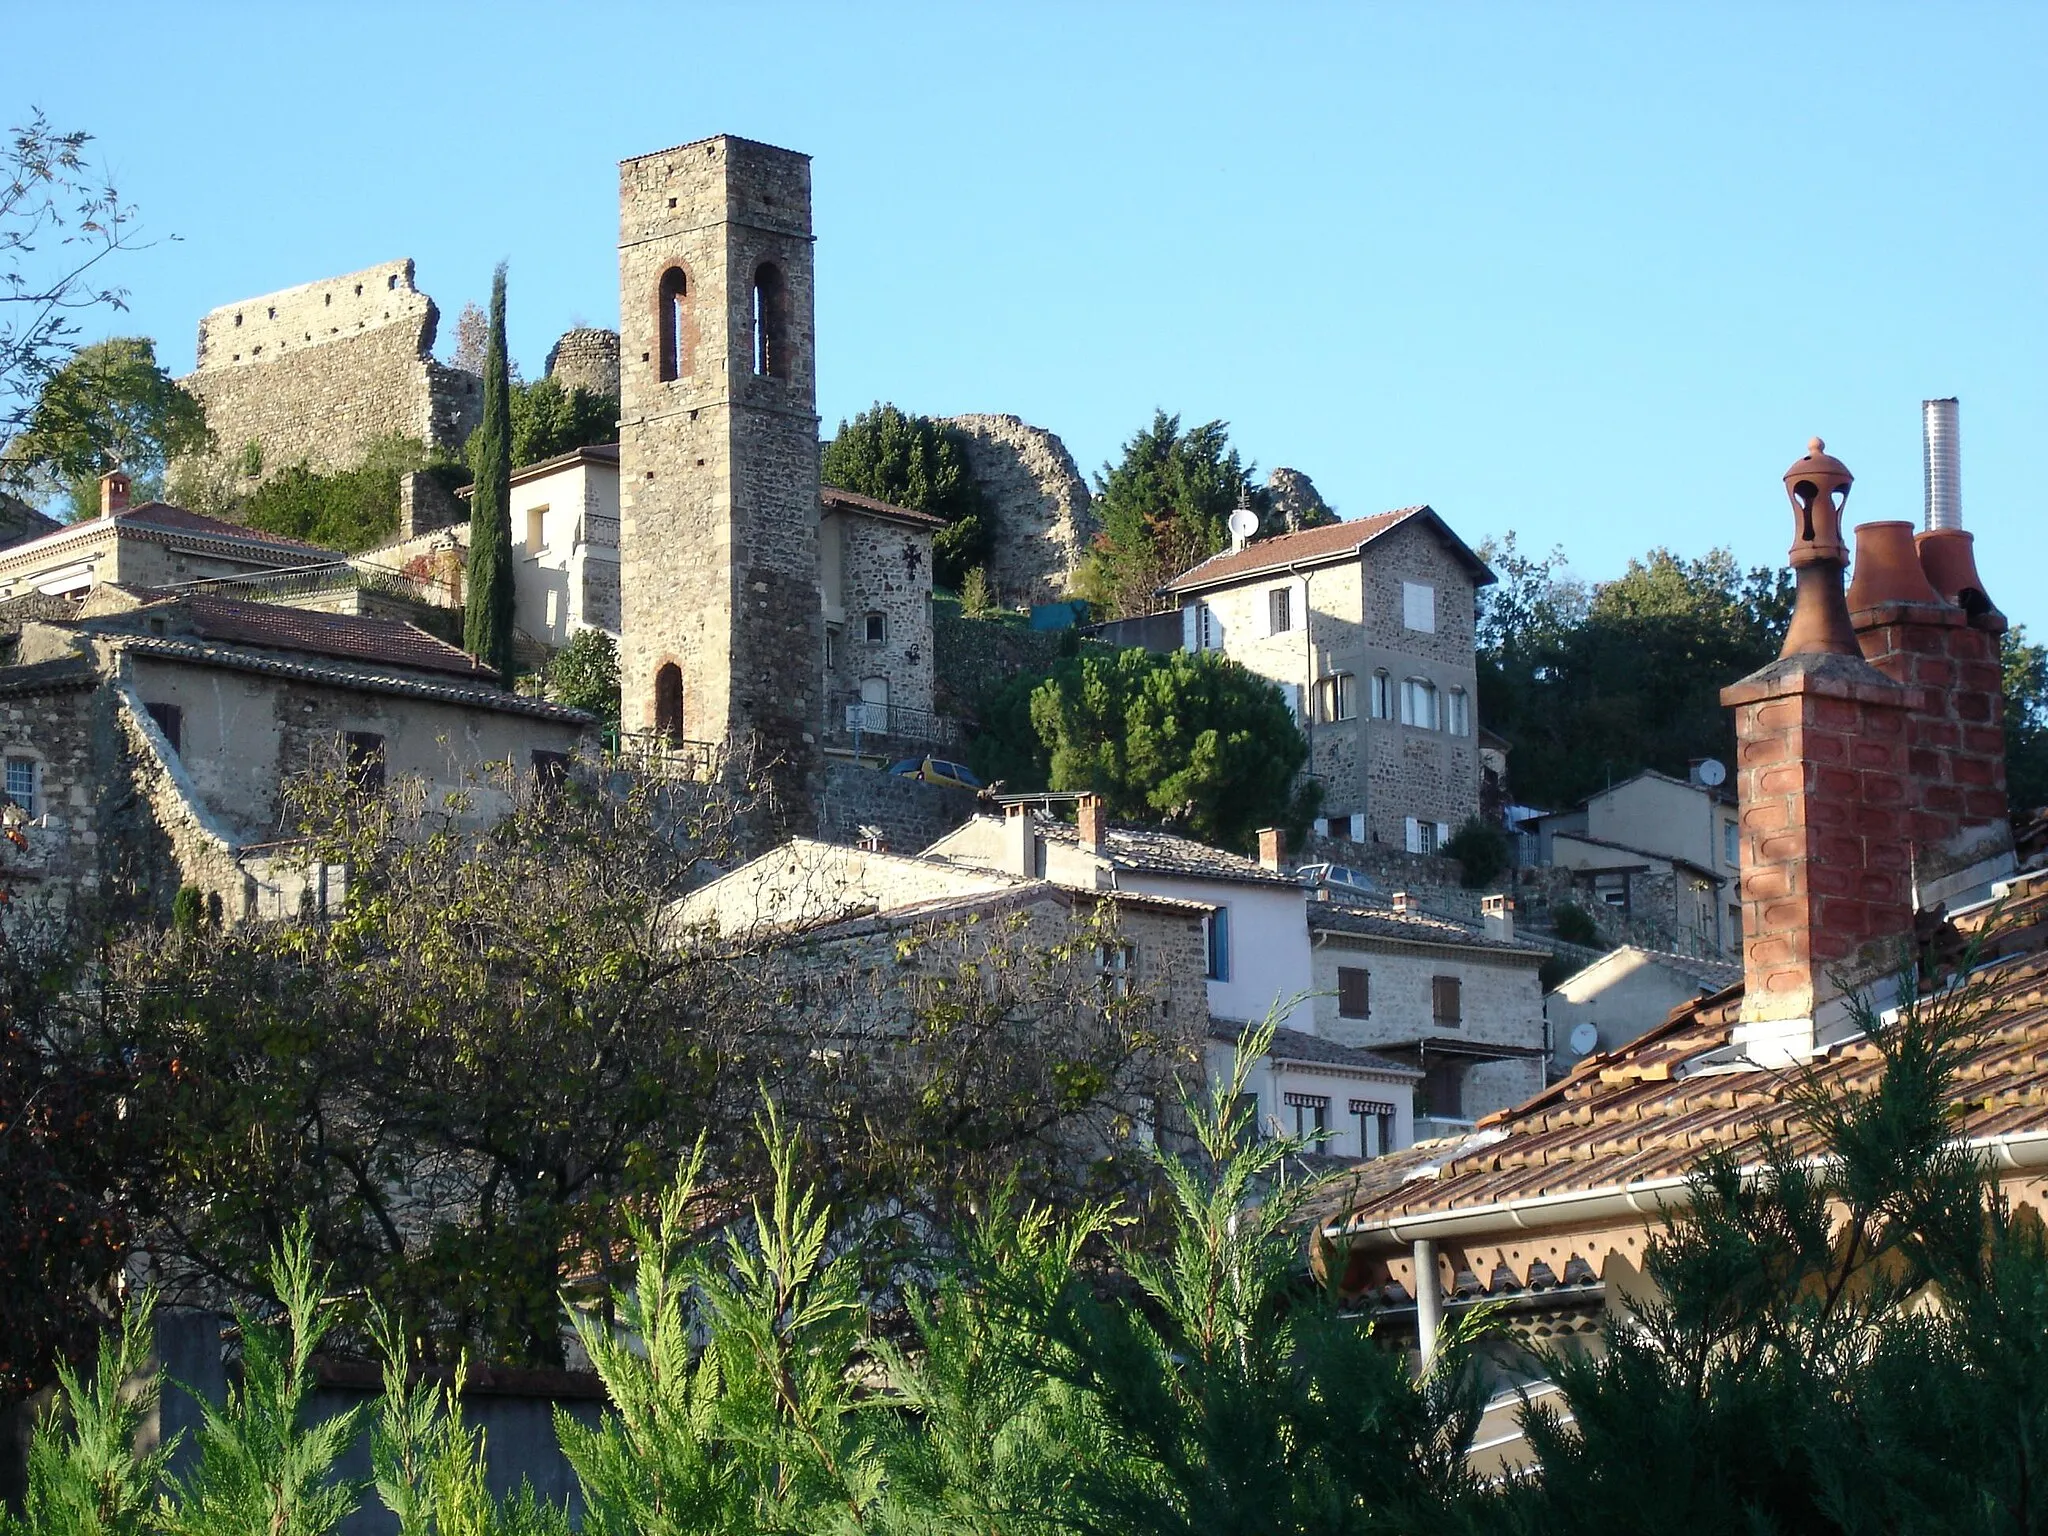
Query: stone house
[[1623, 995], [875, 581], [1653, 824], [153, 545], [1460, 1006], [1356, 1104], [1368, 629], [148, 738]]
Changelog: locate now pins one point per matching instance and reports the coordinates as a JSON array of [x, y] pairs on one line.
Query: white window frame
[[1382, 694], [1418, 607], [1419, 696], [1279, 610], [1458, 712], [33, 806], [1337, 697]]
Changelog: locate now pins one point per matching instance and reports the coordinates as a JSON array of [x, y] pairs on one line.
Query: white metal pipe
[[1941, 436], [1429, 1301]]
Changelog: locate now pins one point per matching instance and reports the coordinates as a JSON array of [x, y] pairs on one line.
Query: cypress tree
[[487, 611]]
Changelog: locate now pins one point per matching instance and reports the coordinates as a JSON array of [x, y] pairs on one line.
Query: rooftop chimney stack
[[1020, 842], [114, 486], [1091, 822], [1497, 913], [1272, 848], [1941, 435]]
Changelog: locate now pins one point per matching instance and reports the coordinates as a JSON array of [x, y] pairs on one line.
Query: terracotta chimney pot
[[1818, 487], [1949, 557], [1888, 568]]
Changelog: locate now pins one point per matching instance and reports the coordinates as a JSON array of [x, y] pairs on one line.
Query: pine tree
[[487, 615]]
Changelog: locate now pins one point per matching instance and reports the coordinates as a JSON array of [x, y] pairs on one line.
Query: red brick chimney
[[1089, 817], [1272, 848], [114, 486], [1914, 630], [1826, 796]]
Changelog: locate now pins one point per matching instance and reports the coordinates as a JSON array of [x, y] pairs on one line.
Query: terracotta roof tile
[[833, 496], [157, 514], [1636, 1115], [1146, 851], [1333, 541], [355, 637]]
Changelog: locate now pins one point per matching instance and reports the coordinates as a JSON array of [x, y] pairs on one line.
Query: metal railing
[[662, 756], [330, 576], [849, 717]]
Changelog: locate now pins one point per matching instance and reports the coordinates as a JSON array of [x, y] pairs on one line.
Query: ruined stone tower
[[718, 456]]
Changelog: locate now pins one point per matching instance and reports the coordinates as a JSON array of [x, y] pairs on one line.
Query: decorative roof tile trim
[[159, 523], [336, 674], [833, 496], [1304, 1049], [1317, 546]]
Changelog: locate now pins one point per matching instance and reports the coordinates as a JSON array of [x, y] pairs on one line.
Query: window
[[1208, 629], [1443, 1090], [1116, 968], [365, 761], [170, 719], [1731, 843], [1418, 606], [21, 785], [831, 646], [1280, 608], [1418, 703], [1337, 697], [536, 529], [1311, 1115], [1375, 1127], [1216, 928], [1354, 992], [672, 320], [550, 768], [668, 701], [1382, 696], [871, 714], [878, 628], [1458, 712], [1426, 836], [771, 322], [1446, 1000]]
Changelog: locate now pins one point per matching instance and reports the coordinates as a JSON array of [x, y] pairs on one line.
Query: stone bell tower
[[718, 457]]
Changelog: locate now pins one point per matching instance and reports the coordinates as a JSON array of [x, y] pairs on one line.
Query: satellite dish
[[1244, 522], [1712, 772], [1584, 1037]]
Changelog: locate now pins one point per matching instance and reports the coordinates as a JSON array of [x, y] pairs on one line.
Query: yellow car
[[937, 770]]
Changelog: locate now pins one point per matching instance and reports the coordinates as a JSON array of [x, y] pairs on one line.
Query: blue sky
[[1590, 273]]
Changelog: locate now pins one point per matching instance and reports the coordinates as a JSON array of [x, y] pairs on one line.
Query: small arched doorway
[[668, 702]]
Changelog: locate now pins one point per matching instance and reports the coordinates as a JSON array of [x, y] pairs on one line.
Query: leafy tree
[[548, 420], [916, 462], [584, 674], [58, 222], [343, 509], [1190, 740], [1592, 685], [1163, 508], [109, 406], [488, 594], [472, 339], [1482, 852], [2026, 721], [1574, 924]]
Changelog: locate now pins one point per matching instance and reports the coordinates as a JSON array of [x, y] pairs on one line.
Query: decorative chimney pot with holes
[[1818, 486]]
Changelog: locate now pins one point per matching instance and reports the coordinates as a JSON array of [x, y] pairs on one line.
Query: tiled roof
[[1314, 1050], [49, 676], [1645, 853], [1014, 894], [1646, 1114], [1313, 546], [1410, 927], [335, 674], [1145, 851], [1712, 975], [158, 514], [158, 521], [354, 636], [606, 454], [833, 496]]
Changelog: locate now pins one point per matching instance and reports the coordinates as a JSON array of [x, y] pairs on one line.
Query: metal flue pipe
[[1941, 434]]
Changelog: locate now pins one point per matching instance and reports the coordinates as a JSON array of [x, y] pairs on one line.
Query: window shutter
[[1414, 835], [1190, 627], [1448, 1004], [1443, 833], [1354, 992]]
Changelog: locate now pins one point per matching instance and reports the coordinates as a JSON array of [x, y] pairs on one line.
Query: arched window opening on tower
[[668, 702], [771, 322], [673, 317]]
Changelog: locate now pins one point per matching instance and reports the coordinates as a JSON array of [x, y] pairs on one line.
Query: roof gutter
[[1645, 1198]]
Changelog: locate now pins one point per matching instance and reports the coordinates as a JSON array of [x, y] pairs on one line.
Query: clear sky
[[1590, 273]]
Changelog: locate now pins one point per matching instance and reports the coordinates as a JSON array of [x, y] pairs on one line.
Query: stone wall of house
[[49, 717], [909, 814], [586, 359], [1036, 501], [885, 570], [316, 373], [1662, 910]]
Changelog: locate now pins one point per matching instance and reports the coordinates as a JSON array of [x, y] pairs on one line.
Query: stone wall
[[1035, 500], [586, 359], [1296, 503], [911, 815], [317, 373], [977, 656], [1434, 879]]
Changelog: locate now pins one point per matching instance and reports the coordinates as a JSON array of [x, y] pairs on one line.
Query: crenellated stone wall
[[1036, 502], [317, 373]]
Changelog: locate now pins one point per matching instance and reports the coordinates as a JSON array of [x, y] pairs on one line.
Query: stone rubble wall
[[1297, 504], [911, 815], [1036, 501], [586, 359], [317, 373]]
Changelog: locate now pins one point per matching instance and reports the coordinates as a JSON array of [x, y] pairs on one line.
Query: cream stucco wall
[[565, 542]]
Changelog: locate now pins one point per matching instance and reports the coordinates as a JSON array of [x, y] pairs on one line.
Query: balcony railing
[[333, 576], [661, 756], [849, 718]]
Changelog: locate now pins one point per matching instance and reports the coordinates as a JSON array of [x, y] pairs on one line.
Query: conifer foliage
[[487, 610]]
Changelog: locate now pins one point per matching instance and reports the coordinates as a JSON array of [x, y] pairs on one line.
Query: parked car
[[937, 770], [1339, 877]]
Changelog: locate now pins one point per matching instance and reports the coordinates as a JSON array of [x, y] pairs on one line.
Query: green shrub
[[584, 674], [1574, 924], [346, 509], [1482, 850]]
